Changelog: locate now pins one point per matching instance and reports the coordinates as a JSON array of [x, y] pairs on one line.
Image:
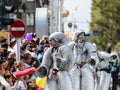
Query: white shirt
[[21, 85], [5, 83]]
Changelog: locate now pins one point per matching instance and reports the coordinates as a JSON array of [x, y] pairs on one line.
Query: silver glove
[[42, 71], [92, 62]]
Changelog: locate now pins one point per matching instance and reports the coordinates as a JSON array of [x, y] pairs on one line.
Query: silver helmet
[[60, 37], [75, 36], [114, 54]]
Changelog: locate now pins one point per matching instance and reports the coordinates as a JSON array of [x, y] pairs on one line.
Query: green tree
[[106, 19]]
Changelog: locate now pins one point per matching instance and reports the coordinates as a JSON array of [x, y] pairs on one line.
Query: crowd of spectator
[[31, 53]]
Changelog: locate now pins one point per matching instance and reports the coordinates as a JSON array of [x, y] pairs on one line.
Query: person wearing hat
[[86, 59], [57, 61]]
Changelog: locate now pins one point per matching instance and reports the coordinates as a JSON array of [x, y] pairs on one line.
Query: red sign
[[17, 29]]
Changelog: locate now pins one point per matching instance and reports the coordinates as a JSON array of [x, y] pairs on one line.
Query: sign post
[[18, 30]]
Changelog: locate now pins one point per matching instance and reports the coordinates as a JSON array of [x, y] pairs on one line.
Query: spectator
[[21, 83], [40, 53], [114, 66], [27, 59], [2, 79], [9, 78], [22, 51], [34, 53], [11, 46]]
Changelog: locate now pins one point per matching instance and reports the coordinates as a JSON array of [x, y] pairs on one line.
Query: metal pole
[[60, 15], [18, 50], [51, 29], [74, 23]]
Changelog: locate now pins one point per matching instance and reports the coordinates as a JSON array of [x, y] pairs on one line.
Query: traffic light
[[4, 20]]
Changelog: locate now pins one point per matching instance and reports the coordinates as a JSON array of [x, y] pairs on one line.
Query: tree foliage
[[106, 19]]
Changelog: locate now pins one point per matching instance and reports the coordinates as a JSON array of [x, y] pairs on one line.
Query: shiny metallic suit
[[86, 59], [56, 63], [103, 73]]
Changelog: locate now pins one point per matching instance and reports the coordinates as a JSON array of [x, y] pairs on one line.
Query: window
[[30, 19]]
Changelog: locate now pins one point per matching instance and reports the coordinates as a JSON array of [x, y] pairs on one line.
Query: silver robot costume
[[56, 63], [103, 73], [86, 59]]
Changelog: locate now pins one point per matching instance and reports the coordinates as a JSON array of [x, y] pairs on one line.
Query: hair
[[26, 56], [7, 75], [0, 66], [19, 64], [23, 47], [35, 63]]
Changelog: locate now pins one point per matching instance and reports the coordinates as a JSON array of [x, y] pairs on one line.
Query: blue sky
[[81, 17]]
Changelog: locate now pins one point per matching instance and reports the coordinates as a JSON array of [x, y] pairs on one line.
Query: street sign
[[95, 32], [17, 29]]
